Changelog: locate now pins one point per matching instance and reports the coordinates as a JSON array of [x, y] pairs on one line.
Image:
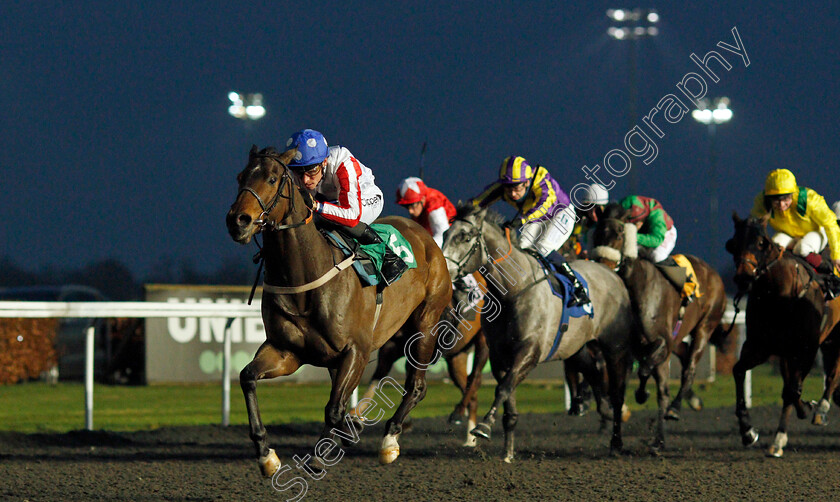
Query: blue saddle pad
[[564, 292]]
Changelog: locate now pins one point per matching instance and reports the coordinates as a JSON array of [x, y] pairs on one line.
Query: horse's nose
[[238, 220]]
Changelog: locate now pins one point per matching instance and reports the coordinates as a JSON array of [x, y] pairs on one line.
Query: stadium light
[[633, 23], [246, 106], [719, 114]]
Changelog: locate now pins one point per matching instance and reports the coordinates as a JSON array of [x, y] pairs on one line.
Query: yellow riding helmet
[[780, 181]]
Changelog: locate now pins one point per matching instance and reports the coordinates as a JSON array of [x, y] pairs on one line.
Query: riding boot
[[393, 266], [831, 286], [579, 296], [826, 278]]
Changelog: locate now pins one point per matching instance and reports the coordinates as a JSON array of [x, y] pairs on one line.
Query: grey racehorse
[[523, 332]]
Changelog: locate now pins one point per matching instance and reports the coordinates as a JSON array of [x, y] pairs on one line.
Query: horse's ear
[[288, 155], [254, 150], [735, 218], [764, 219]]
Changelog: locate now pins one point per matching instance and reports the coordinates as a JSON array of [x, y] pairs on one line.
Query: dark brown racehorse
[[657, 302], [787, 316], [471, 341], [336, 324]]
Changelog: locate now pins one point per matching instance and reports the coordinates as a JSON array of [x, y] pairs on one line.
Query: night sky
[[117, 143]]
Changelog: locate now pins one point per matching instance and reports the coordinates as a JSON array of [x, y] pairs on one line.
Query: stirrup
[[579, 297], [393, 267]]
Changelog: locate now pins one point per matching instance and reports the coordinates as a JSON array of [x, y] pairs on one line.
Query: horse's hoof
[[456, 418], [616, 447], [695, 403], [388, 455], [578, 410], [471, 442], [642, 396], [481, 430], [269, 464], [672, 414], [508, 459], [821, 413], [775, 452], [390, 449], [625, 413], [750, 437]]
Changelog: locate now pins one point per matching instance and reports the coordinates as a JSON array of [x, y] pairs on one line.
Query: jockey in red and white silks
[[427, 206], [347, 192]]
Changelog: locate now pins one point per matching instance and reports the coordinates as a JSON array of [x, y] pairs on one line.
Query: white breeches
[[662, 251], [812, 242], [549, 235]]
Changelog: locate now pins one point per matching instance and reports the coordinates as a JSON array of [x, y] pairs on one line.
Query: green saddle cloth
[[392, 238]]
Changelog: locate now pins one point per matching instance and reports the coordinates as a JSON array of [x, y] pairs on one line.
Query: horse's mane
[[613, 210], [464, 210]]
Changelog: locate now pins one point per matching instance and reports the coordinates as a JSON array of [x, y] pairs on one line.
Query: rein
[[510, 247]]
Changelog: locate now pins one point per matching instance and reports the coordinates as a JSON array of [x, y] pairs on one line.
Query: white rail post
[[89, 339], [226, 374]]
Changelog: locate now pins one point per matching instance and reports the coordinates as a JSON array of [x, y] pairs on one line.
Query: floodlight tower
[[631, 25], [718, 113]]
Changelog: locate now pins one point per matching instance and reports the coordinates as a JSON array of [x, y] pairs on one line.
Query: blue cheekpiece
[[312, 147]]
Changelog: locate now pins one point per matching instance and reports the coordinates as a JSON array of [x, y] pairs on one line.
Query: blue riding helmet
[[311, 147]]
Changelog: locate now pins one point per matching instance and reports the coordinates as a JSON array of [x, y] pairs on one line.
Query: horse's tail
[[725, 341]]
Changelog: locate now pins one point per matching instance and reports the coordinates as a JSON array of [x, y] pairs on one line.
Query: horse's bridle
[[479, 244], [263, 220], [476, 233], [760, 268]]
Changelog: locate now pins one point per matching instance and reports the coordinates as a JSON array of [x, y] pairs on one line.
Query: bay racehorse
[[657, 305], [787, 317], [470, 341], [523, 330], [316, 312]]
